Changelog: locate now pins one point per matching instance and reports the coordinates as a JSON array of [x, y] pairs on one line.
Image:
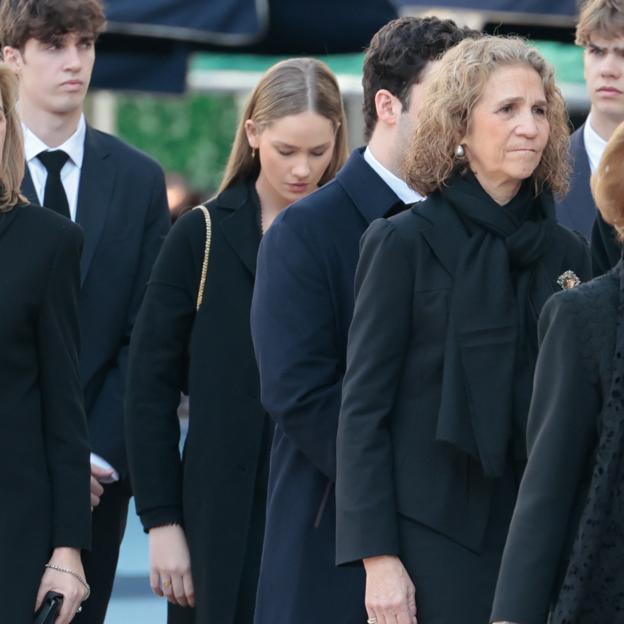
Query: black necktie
[[54, 196]]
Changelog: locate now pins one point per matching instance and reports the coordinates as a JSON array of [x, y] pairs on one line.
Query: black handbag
[[49, 609]]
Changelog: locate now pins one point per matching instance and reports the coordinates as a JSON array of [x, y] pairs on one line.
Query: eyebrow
[[515, 100], [616, 49]]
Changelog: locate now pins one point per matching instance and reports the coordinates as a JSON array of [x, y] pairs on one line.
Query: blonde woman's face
[[294, 152], [509, 128]]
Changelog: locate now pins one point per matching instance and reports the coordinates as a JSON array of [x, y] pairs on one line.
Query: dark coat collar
[[371, 195], [95, 190], [239, 222]]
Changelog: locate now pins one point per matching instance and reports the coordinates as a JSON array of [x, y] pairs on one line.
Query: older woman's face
[[509, 129]]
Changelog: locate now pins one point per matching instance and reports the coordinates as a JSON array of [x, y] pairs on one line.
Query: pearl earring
[[459, 151]]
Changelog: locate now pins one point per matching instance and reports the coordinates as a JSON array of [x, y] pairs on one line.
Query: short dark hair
[[45, 20], [399, 52]]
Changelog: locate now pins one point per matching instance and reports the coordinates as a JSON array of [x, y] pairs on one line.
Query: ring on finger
[[166, 583], [372, 620]]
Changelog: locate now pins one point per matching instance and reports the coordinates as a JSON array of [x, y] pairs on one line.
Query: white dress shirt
[[594, 144], [406, 194], [70, 177], [70, 173]]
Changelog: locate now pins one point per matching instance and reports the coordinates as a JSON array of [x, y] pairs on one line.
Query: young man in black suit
[[600, 30], [302, 307], [117, 195]]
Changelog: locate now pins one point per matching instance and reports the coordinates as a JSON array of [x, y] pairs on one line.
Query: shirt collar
[[594, 144], [400, 187], [73, 146]]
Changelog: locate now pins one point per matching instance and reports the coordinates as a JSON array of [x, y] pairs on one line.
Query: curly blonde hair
[[607, 182], [452, 91], [12, 162]]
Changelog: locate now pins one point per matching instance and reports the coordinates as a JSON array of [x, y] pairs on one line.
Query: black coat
[[44, 454], [301, 312], [577, 336], [217, 491], [389, 462], [122, 209]]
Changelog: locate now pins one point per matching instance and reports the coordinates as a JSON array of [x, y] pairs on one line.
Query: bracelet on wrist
[[80, 578]]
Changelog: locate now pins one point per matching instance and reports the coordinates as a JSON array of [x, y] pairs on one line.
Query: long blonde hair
[[452, 91], [287, 88], [12, 163]]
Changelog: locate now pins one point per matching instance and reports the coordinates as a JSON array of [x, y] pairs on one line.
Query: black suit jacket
[[577, 336], [212, 491], [44, 453], [389, 462], [577, 210], [301, 312], [122, 210]]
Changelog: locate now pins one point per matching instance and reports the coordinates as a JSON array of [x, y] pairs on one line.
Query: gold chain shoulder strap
[[204, 271]]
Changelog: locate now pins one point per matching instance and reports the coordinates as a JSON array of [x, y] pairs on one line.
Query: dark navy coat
[[301, 311], [577, 210]]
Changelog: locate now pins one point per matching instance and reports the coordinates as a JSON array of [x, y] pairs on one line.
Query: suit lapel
[[240, 227], [447, 233], [28, 188], [97, 180]]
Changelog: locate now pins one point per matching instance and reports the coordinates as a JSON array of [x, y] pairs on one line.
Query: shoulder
[[123, 152], [189, 229], [46, 225]]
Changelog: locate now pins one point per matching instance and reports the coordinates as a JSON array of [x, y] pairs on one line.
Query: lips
[[298, 188], [609, 90]]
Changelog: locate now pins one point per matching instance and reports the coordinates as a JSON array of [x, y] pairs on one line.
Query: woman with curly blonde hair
[[443, 343]]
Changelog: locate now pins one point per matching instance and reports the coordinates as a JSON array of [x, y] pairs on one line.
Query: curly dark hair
[[398, 53], [46, 20]]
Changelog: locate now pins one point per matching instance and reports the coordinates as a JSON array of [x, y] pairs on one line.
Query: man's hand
[[170, 565], [390, 593], [97, 490]]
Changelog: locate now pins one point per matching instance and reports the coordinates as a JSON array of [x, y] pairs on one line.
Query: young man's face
[[54, 76], [604, 74]]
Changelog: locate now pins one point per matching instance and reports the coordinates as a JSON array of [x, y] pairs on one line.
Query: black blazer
[[44, 454], [211, 492], [577, 210], [577, 335], [388, 459], [122, 210], [301, 312]]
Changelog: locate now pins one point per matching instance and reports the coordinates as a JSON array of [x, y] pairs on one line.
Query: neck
[[501, 192], [53, 129], [271, 204], [603, 125], [381, 145]]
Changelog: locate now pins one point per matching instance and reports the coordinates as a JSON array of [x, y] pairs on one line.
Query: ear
[[13, 58], [251, 130], [387, 106]]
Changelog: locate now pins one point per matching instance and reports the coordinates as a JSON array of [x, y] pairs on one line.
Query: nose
[[527, 125], [301, 168], [72, 58], [610, 67]]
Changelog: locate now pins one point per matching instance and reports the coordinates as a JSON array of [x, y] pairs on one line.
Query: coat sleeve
[[378, 339], [156, 375], [108, 407], [560, 437], [64, 422], [296, 344]]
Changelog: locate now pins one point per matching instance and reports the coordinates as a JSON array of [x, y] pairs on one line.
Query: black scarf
[[497, 295], [593, 587]]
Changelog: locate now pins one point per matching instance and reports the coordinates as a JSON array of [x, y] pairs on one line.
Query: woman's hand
[[390, 594], [54, 580], [170, 565]]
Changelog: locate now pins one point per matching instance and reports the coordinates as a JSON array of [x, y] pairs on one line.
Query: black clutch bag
[[49, 609]]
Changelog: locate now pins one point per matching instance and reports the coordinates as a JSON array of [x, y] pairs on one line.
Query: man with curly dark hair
[[303, 303]]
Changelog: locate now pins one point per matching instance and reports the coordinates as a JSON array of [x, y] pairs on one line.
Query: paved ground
[[132, 601]]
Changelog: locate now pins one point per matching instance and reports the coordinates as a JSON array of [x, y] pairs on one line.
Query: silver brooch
[[567, 280]]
